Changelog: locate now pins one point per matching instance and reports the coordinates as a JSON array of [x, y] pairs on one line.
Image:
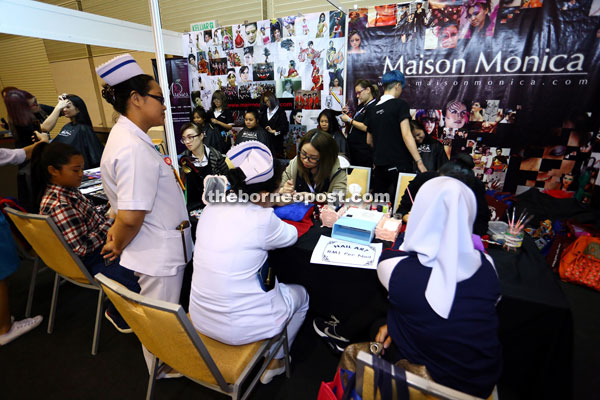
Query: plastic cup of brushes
[[513, 241]]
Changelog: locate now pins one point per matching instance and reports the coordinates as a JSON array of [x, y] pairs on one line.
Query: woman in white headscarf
[[443, 293], [229, 301]]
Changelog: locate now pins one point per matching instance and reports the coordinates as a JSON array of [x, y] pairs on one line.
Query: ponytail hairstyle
[[17, 107], [44, 155], [367, 85], [119, 94], [82, 116]]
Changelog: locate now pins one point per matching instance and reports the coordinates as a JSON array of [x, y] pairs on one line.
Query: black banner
[[522, 76]]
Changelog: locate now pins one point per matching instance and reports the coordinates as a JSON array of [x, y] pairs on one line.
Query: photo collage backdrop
[[299, 58], [500, 79]]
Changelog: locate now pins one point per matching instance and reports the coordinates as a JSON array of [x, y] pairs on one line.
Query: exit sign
[[202, 26]]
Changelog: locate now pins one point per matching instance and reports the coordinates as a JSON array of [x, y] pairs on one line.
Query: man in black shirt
[[394, 147]]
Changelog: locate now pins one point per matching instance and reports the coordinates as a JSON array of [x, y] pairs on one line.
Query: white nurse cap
[[119, 69], [254, 159]]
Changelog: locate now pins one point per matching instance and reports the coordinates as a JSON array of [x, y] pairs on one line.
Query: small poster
[[346, 254]]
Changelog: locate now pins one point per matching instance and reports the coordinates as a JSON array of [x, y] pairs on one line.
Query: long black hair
[[334, 125], [44, 155], [118, 94], [82, 117]]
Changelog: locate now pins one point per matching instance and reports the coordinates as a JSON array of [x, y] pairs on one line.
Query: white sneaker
[[19, 328], [166, 372], [268, 375]]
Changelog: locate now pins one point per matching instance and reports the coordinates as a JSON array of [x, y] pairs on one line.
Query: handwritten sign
[[346, 254]]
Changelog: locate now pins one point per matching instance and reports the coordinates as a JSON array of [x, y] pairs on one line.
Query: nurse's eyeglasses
[[160, 99]]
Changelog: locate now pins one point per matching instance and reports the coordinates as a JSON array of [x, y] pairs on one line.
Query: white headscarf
[[439, 231]]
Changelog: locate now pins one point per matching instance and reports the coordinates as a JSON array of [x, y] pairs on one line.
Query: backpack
[[19, 238], [580, 262]]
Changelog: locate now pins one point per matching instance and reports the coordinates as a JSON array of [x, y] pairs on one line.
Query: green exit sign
[[202, 26]]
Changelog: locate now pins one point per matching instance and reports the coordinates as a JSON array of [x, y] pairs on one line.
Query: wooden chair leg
[[53, 303], [99, 310], [36, 268]]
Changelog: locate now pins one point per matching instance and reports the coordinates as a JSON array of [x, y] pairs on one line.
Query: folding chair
[[418, 388], [360, 176], [47, 241], [167, 332], [403, 180]]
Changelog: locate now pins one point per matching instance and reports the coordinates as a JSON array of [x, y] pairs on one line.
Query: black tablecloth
[[535, 320], [535, 326]]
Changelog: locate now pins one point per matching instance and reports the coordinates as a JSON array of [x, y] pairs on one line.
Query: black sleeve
[[227, 117], [403, 110], [46, 108], [283, 124], [367, 116]]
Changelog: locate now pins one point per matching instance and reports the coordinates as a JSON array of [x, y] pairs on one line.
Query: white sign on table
[[346, 254]]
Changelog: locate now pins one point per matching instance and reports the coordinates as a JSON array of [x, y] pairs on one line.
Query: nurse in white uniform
[[227, 301], [141, 186]]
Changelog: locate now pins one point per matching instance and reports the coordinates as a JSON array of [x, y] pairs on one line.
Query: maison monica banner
[[493, 77]]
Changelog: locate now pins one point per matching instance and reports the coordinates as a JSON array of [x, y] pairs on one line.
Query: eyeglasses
[[306, 157], [188, 139], [160, 99], [358, 92]]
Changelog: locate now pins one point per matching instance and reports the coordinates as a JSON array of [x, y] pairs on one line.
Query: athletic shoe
[[166, 372], [118, 322], [19, 328], [268, 375], [327, 330]]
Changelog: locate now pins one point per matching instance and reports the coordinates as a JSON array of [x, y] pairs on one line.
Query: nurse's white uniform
[[227, 302], [135, 177]]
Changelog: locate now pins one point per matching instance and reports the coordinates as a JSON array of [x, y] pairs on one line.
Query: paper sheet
[[346, 254]]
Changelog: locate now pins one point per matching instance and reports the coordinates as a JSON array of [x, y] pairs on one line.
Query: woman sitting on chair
[[316, 168], [198, 161], [57, 170], [443, 293], [229, 301]]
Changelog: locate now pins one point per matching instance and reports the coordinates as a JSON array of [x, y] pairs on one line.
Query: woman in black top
[[275, 122], [360, 152], [431, 150], [198, 161], [212, 135], [220, 116], [79, 132], [329, 123]]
